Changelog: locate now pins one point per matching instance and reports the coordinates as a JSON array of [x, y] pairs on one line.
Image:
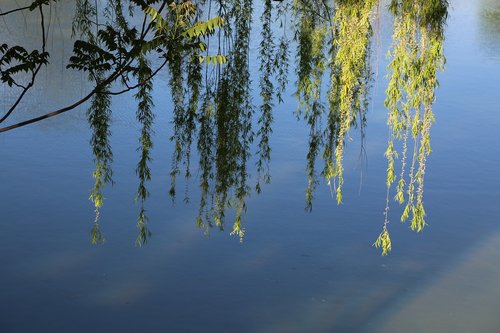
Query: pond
[[295, 270]]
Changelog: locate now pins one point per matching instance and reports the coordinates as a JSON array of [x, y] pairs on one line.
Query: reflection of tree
[[207, 53]]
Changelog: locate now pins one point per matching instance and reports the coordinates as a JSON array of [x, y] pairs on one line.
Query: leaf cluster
[[16, 59]]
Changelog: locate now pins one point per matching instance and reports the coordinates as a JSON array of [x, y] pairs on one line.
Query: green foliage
[[343, 32], [416, 56], [99, 117], [145, 117], [208, 62], [352, 27], [205, 28], [383, 242], [121, 51], [185, 78], [233, 121], [311, 38], [281, 64], [267, 68]]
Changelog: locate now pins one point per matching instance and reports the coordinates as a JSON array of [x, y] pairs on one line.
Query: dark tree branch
[[17, 85], [50, 114], [14, 10], [34, 73]]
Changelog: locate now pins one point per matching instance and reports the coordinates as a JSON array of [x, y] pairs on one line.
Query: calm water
[[295, 271]]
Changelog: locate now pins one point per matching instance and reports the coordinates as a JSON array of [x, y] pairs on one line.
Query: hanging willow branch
[[344, 31], [266, 69], [282, 54], [310, 37], [99, 117], [352, 30], [417, 55], [145, 117]]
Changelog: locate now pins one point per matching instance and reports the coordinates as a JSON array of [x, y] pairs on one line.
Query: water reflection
[[206, 49], [454, 301], [304, 272]]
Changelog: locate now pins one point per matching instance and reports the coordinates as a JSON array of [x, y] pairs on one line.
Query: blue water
[[295, 271]]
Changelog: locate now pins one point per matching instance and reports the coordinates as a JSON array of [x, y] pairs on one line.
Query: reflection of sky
[[462, 299]]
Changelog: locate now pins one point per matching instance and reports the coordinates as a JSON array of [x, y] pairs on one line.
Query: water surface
[[295, 271]]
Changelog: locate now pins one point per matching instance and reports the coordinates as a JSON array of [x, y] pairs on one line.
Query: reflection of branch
[[15, 10], [97, 89], [50, 114], [33, 75], [119, 71]]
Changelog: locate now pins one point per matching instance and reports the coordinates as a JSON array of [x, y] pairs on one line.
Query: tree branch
[[33, 75], [14, 10], [140, 83]]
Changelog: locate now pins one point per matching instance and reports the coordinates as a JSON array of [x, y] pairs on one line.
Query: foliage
[[343, 33], [417, 55], [208, 58], [311, 38], [267, 50], [145, 117], [17, 59]]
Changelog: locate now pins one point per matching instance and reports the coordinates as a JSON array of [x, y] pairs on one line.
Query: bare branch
[[14, 10]]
